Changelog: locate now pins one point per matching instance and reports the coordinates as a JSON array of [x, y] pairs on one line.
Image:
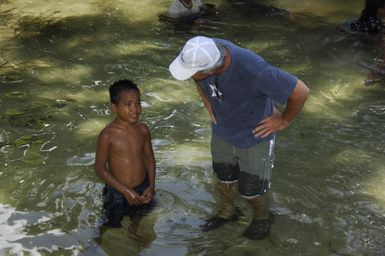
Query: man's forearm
[[205, 102], [295, 102]]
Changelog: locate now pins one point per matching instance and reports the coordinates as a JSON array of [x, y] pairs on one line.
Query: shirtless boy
[[124, 157]]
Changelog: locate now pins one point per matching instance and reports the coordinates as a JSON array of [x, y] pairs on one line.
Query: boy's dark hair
[[117, 87], [371, 8]]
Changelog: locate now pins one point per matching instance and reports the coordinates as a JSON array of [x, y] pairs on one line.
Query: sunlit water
[[57, 59]]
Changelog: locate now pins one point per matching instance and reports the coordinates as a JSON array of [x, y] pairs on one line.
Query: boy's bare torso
[[126, 153]]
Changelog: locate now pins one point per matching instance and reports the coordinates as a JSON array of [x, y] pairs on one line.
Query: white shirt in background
[[177, 9]]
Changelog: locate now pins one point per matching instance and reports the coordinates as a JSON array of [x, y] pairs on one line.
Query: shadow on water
[[54, 75]]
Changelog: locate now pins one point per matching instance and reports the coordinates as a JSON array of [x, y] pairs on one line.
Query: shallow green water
[[57, 59]]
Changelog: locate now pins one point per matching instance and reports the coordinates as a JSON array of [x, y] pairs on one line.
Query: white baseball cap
[[199, 53]]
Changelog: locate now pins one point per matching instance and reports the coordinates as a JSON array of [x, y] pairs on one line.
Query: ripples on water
[[328, 181]]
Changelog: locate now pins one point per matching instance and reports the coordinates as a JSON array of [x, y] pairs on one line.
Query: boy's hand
[[147, 195], [132, 197]]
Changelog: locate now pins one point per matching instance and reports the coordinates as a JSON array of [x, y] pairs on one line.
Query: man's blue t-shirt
[[244, 94]]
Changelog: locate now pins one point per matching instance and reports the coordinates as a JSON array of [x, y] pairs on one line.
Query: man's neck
[[225, 65]]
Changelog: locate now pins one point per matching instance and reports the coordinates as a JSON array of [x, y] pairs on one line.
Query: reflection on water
[[56, 62], [24, 231]]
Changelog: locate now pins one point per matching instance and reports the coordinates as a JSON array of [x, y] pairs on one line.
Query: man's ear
[[114, 107]]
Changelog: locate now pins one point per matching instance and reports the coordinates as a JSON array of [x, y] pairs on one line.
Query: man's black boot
[[259, 229], [228, 212], [218, 221]]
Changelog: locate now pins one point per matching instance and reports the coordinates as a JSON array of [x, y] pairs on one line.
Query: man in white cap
[[239, 90]]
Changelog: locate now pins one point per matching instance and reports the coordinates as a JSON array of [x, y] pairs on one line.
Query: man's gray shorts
[[251, 167]]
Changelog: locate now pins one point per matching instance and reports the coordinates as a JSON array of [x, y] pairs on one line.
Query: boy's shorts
[[115, 206], [251, 167]]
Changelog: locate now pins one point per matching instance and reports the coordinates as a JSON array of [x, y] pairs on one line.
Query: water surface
[[57, 60]]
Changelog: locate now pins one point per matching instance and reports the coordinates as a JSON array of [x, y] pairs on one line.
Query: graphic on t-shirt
[[215, 92]]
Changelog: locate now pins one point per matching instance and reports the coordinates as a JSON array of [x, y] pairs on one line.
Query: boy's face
[[129, 107]]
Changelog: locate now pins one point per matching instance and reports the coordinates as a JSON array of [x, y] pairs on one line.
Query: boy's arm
[[150, 167], [104, 174], [150, 159], [206, 102]]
